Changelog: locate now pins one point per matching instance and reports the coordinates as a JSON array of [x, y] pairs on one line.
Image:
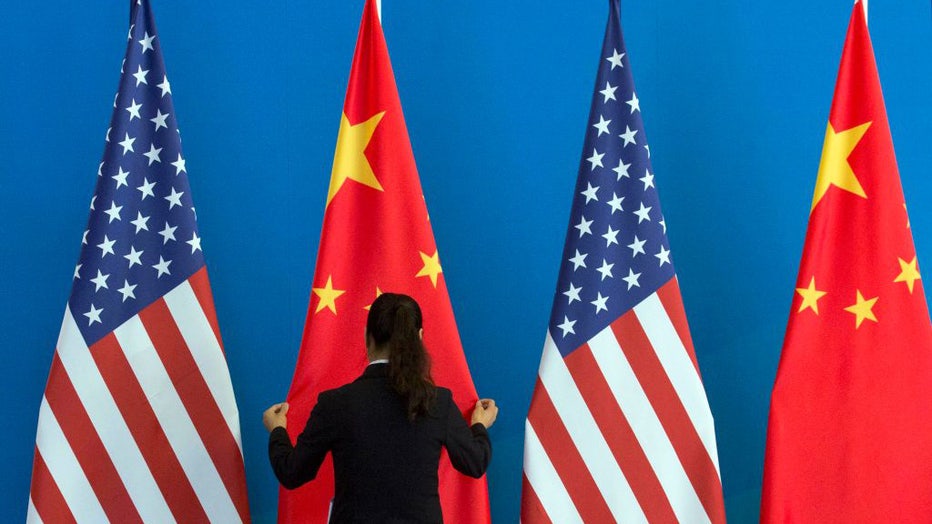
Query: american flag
[[619, 428], [138, 421]]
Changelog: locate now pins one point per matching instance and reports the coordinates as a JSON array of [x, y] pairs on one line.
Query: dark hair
[[394, 323]]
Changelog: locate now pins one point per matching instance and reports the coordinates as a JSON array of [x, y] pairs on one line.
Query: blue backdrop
[[734, 95]]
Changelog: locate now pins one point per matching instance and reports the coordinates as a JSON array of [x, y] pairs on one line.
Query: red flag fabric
[[138, 422], [376, 237], [850, 433]]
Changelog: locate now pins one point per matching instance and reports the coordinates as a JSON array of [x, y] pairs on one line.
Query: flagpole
[[378, 6]]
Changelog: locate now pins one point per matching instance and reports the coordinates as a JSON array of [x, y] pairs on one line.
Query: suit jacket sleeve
[[469, 447], [298, 464]]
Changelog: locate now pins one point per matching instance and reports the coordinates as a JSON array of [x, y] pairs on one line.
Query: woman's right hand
[[485, 412], [276, 416]]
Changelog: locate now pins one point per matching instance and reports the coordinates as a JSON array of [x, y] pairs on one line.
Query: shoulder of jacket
[[332, 395], [444, 394]]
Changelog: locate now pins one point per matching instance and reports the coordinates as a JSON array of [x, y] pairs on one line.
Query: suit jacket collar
[[375, 371]]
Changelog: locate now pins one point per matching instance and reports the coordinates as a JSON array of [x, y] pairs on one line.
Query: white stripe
[[32, 516], [202, 341], [65, 469], [647, 428], [110, 425], [175, 421], [545, 481], [680, 368], [586, 436]]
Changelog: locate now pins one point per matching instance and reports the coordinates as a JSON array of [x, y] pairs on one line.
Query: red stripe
[[198, 400], [686, 443], [146, 430], [620, 437], [672, 301], [46, 497], [532, 511], [88, 448], [200, 284], [564, 456]]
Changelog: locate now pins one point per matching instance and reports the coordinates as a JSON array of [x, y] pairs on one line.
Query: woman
[[385, 429]]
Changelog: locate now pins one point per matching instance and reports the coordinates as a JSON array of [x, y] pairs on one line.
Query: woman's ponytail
[[395, 323]]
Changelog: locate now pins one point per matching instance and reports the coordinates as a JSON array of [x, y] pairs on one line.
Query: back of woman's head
[[394, 324]]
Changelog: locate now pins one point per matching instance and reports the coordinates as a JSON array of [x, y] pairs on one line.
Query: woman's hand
[[275, 416], [485, 412]]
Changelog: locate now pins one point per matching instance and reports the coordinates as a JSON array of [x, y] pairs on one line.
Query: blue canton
[[616, 252], [141, 240]]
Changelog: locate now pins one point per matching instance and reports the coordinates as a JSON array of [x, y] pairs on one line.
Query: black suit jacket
[[385, 466]]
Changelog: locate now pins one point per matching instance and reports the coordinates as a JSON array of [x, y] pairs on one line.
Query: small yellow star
[[834, 169], [862, 309], [908, 273], [811, 297], [378, 292], [431, 267], [328, 296], [349, 160]]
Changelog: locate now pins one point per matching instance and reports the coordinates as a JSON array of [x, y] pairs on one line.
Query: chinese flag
[[850, 433], [376, 237]]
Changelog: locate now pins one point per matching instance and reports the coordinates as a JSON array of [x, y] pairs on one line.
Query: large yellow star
[[862, 309], [328, 296], [431, 267], [349, 160], [811, 297], [834, 169], [909, 273]]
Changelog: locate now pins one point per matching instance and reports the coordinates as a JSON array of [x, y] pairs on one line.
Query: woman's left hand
[[485, 412]]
